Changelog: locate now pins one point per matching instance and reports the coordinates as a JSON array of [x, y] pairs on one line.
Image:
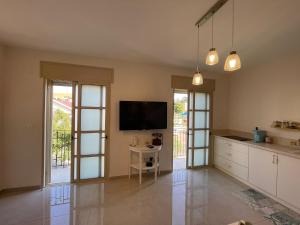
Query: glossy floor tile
[[184, 197]]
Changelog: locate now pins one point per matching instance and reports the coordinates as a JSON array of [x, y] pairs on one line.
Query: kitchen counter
[[284, 150]]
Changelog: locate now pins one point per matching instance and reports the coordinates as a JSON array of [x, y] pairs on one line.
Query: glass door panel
[[198, 129], [89, 131]]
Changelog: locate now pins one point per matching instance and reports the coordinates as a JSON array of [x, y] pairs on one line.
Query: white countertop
[[283, 150]]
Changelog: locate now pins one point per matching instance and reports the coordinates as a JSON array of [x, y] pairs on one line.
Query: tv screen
[[137, 115]]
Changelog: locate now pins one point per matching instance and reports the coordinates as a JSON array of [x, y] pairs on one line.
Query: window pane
[[102, 167], [199, 119], [199, 159], [207, 120], [90, 119], [199, 138], [75, 168], [91, 95], [89, 167], [207, 156], [76, 95], [190, 158], [103, 119], [190, 140], [191, 101], [207, 138], [103, 96], [208, 101], [200, 101], [102, 147], [190, 119], [90, 143], [76, 120]]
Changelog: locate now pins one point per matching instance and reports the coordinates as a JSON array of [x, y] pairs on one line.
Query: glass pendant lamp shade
[[212, 57], [233, 62], [197, 78]]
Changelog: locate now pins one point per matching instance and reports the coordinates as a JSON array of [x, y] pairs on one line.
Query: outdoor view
[[180, 130], [61, 134]]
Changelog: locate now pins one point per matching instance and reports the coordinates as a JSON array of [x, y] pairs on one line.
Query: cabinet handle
[[275, 159]]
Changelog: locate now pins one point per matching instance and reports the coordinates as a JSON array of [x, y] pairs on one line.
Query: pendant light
[[233, 61], [197, 78], [212, 57]]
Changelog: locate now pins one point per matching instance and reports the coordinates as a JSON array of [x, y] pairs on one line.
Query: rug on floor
[[272, 210]]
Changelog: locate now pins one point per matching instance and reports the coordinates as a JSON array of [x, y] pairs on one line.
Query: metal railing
[[179, 141], [61, 148]]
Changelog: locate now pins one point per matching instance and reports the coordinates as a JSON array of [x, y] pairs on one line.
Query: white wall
[[267, 92], [23, 113], [1, 119]]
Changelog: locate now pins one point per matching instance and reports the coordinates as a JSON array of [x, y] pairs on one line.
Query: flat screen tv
[[138, 115]]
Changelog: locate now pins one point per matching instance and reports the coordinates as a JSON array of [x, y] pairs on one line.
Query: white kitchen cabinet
[[232, 157], [239, 153], [221, 147], [263, 169], [288, 182]]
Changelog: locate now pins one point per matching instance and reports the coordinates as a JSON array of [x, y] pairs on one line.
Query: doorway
[[180, 112], [61, 122], [191, 129], [199, 123], [76, 131]]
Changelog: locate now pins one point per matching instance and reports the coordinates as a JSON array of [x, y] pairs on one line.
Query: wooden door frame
[[47, 127], [107, 132], [210, 156]]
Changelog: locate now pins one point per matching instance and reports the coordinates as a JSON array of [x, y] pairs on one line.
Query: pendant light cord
[[198, 50], [232, 40], [212, 31]]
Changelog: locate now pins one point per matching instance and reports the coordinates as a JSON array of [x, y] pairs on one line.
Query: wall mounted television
[[140, 115]]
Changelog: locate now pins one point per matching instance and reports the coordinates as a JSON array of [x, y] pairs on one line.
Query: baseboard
[[20, 189]]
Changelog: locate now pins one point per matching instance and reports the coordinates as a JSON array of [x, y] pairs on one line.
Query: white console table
[[140, 165]]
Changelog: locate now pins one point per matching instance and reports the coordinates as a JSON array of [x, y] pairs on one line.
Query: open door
[[89, 132], [198, 129]]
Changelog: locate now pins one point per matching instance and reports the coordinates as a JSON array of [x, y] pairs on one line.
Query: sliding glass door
[[89, 132], [198, 129]]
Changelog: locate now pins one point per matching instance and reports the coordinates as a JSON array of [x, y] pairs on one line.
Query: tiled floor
[[179, 163], [60, 174], [183, 198]]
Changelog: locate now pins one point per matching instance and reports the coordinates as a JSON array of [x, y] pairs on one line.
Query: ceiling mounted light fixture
[[197, 78], [233, 61], [212, 57]]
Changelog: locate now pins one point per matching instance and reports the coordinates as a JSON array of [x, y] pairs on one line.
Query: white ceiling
[[152, 31]]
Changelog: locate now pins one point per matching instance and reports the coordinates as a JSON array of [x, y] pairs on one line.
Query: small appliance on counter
[[157, 139], [259, 135]]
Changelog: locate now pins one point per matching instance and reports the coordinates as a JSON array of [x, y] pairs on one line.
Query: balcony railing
[[179, 141], [61, 148]]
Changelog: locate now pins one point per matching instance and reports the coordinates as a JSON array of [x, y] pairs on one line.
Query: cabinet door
[[263, 169], [288, 183]]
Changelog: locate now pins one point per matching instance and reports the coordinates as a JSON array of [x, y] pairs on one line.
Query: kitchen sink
[[238, 138]]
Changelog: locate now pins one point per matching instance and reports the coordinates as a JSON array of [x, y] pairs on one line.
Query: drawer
[[220, 147], [221, 162], [231, 167], [239, 154], [239, 171]]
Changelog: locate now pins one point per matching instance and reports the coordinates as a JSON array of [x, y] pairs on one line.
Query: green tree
[[179, 107], [61, 120], [61, 135]]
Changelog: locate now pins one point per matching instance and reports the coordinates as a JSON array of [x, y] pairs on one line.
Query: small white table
[[140, 165]]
